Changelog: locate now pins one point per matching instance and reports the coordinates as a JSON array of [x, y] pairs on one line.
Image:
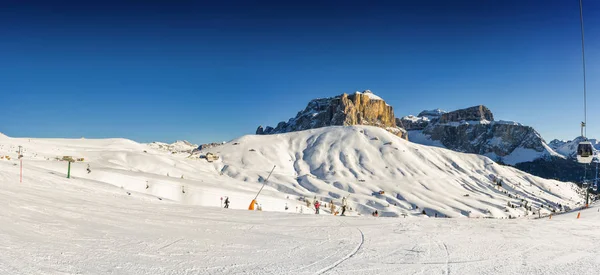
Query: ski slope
[[327, 163], [51, 225]]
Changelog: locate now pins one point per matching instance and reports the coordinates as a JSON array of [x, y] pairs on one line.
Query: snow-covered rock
[[359, 108], [210, 145], [474, 130]]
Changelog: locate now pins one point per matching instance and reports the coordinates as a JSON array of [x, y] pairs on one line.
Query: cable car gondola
[[585, 152]]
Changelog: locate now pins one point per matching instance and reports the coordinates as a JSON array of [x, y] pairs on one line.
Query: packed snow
[[54, 225], [377, 169], [142, 210]]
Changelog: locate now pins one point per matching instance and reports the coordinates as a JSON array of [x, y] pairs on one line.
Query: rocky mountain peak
[[359, 108], [431, 113], [473, 130], [475, 113]]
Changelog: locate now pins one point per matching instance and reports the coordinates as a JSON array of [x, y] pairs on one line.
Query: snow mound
[[334, 162]]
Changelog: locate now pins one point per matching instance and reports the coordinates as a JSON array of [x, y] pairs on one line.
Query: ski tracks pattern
[[348, 256], [447, 258]]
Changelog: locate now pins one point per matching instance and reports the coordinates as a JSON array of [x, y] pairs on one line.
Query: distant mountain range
[[470, 130], [568, 148], [474, 130]]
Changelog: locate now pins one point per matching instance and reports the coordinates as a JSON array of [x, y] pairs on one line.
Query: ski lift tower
[[597, 161], [589, 186]]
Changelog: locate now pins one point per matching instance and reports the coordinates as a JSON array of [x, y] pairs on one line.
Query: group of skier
[[317, 205]]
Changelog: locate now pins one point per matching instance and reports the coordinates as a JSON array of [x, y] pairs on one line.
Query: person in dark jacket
[[344, 206], [226, 202]]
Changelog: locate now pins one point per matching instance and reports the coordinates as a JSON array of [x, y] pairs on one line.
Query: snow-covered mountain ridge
[[474, 130]]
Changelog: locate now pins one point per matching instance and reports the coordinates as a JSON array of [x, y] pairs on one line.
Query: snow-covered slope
[[52, 225], [329, 163], [178, 146], [336, 161]]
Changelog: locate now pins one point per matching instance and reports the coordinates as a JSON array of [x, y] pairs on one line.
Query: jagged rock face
[[500, 139], [420, 121], [475, 113], [344, 110], [473, 130], [412, 123]]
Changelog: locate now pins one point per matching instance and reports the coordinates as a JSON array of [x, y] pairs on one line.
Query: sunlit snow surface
[[111, 221], [54, 226]]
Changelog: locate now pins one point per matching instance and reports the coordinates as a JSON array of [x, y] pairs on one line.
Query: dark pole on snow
[[265, 183], [69, 171], [587, 188]]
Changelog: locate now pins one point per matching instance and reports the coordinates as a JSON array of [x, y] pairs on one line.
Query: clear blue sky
[[211, 71]]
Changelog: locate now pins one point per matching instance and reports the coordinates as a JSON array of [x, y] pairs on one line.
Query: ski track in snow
[[348, 256], [59, 227]]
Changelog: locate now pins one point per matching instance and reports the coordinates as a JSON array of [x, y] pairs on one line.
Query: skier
[[88, 169], [226, 202], [344, 206], [332, 207], [317, 205]]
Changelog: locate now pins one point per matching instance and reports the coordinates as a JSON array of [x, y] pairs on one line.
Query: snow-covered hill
[[178, 146], [329, 163], [52, 225]]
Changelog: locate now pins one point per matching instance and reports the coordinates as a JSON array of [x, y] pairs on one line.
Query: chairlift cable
[[584, 74]]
